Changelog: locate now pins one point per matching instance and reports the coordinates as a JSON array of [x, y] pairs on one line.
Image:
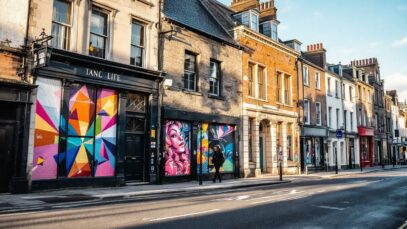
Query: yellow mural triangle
[[41, 124], [109, 107], [83, 126], [82, 157], [40, 161]]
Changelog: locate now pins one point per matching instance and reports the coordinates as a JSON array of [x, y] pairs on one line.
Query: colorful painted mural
[[79, 157], [46, 134], [81, 111], [177, 148], [105, 139], [203, 147], [222, 135]]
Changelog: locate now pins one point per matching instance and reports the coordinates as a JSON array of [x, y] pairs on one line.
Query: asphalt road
[[374, 200]]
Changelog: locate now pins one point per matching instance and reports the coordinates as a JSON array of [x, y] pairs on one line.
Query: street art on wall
[[105, 139], [81, 111], [177, 148], [223, 136], [203, 147], [46, 134], [79, 155]]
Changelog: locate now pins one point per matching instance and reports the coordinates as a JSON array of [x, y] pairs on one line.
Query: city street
[[371, 200]]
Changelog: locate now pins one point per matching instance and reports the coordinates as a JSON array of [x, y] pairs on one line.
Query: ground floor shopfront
[[188, 142], [366, 145], [95, 123], [336, 151], [314, 149], [380, 149], [269, 137], [350, 160]]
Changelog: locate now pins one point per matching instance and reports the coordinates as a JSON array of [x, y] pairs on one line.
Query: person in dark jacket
[[217, 160]]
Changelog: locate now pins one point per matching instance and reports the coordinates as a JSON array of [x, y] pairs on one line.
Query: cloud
[[400, 43], [283, 27], [397, 81], [402, 8]]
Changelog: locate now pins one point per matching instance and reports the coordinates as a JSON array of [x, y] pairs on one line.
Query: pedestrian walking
[[217, 160]]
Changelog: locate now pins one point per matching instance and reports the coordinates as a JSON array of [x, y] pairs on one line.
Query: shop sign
[[339, 134], [366, 132]]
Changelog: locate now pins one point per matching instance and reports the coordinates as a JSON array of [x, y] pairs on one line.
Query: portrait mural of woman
[[177, 153]]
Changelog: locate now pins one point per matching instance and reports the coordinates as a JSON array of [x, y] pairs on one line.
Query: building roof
[[199, 15]]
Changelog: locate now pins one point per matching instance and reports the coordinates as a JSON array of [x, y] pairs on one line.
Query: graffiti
[[222, 135], [177, 148], [203, 147], [46, 134]]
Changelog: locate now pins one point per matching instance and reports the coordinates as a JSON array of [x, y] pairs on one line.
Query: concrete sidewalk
[[40, 199]]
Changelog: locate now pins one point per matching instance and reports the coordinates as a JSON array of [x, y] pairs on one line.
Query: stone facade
[[269, 114]]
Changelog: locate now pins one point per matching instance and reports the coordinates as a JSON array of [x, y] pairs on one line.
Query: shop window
[[250, 136], [87, 133], [190, 77], [61, 24], [46, 133], [98, 40], [214, 78], [137, 43], [290, 141]]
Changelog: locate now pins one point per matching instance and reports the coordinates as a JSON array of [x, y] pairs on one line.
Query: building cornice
[[243, 30]]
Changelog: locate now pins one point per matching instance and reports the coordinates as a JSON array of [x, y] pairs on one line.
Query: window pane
[[136, 57], [137, 34], [98, 23], [136, 103], [251, 80], [189, 62], [79, 157], [62, 12], [97, 46]]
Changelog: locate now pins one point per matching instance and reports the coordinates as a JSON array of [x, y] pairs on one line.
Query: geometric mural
[[79, 156], [203, 147], [46, 133], [81, 111], [105, 137]]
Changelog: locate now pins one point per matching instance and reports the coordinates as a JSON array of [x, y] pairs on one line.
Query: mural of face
[[176, 139]]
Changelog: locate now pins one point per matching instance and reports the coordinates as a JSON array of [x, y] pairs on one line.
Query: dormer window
[[269, 28], [249, 18]]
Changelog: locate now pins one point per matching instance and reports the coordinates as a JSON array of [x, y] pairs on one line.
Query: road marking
[[281, 199], [242, 197], [184, 215], [329, 207], [282, 195], [404, 226]]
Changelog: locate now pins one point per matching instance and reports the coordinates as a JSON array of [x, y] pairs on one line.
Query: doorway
[[7, 153], [136, 131]]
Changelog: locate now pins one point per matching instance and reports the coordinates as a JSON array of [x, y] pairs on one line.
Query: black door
[[135, 148], [7, 152]]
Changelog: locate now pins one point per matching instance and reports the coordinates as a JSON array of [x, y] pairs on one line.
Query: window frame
[[195, 72], [307, 121], [218, 78], [317, 80], [305, 69], [318, 114], [144, 41], [61, 24], [107, 37], [264, 83]]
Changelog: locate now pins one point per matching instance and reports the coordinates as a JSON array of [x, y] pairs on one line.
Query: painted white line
[[267, 197], [329, 207], [404, 226], [281, 199], [184, 215], [242, 197]]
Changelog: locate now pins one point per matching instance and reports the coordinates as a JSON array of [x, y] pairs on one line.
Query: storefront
[[95, 122], [314, 148], [366, 146], [189, 139]]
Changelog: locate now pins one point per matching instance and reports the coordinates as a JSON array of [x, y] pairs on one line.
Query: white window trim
[[111, 14], [71, 25], [318, 85], [145, 24], [308, 109], [256, 80], [320, 115], [303, 75]]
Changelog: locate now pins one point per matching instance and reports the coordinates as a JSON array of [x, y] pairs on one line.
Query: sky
[[351, 30]]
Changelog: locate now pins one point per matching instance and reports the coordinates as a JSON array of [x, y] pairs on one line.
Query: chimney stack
[[243, 5], [316, 54], [268, 11]]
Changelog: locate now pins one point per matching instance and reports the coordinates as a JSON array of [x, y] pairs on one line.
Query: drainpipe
[[25, 52]]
